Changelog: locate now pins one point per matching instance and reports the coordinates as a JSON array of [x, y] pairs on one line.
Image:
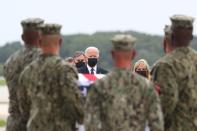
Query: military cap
[[50, 29], [31, 23], [182, 21], [168, 31], [123, 42]]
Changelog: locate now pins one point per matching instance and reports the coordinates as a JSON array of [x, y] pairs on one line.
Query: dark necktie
[[92, 71]]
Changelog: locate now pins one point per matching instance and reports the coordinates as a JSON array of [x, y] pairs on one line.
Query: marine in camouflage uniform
[[176, 74], [52, 89], [123, 100], [15, 65]]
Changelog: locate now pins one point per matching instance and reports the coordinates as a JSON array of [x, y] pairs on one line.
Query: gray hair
[[78, 53], [91, 47]]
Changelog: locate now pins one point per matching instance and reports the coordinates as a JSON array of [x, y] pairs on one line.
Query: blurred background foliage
[[148, 47]]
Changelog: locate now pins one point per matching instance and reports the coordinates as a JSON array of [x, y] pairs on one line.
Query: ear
[[39, 43], [39, 35], [40, 39], [98, 56], [133, 53], [23, 37], [113, 54], [60, 41], [86, 58], [164, 45], [192, 37], [173, 40]]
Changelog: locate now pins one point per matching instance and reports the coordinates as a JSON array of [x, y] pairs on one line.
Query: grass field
[[2, 123], [2, 82]]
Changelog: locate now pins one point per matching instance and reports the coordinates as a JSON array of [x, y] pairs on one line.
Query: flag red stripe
[[90, 77]]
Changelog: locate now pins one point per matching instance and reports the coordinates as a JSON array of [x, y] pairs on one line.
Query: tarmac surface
[[3, 104]]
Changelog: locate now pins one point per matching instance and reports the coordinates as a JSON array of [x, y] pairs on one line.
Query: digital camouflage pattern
[[12, 69], [176, 73], [52, 94], [182, 21], [123, 42], [123, 101], [50, 29], [31, 24]]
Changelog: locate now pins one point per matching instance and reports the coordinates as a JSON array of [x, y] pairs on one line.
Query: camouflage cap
[[31, 23], [123, 42], [182, 21], [168, 31], [50, 29]]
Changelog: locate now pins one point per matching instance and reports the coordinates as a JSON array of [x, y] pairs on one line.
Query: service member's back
[[123, 101], [176, 73], [52, 89], [15, 65]]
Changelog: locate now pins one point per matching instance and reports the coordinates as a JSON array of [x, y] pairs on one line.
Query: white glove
[[81, 127]]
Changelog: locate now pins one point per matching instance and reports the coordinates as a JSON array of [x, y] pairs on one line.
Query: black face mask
[[80, 64], [142, 73], [92, 62]]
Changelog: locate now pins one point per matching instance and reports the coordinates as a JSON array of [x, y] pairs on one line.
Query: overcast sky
[[89, 16]]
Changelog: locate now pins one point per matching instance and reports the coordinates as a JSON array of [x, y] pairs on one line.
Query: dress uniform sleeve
[[155, 116], [93, 105], [165, 77], [72, 94]]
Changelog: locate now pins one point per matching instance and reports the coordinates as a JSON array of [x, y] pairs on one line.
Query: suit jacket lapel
[[98, 71]]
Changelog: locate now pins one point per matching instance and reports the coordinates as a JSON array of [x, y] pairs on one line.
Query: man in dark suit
[[92, 56], [79, 59]]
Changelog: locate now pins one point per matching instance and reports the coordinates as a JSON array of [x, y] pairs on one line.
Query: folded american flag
[[85, 80]]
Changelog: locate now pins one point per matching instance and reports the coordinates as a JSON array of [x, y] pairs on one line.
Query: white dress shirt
[[89, 69]]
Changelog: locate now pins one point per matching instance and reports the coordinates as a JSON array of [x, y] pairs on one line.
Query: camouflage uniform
[[12, 69], [52, 93], [176, 73], [123, 101]]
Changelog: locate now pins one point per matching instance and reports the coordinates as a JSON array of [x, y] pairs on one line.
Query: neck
[[32, 43], [169, 50], [50, 51], [126, 66], [48, 48]]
